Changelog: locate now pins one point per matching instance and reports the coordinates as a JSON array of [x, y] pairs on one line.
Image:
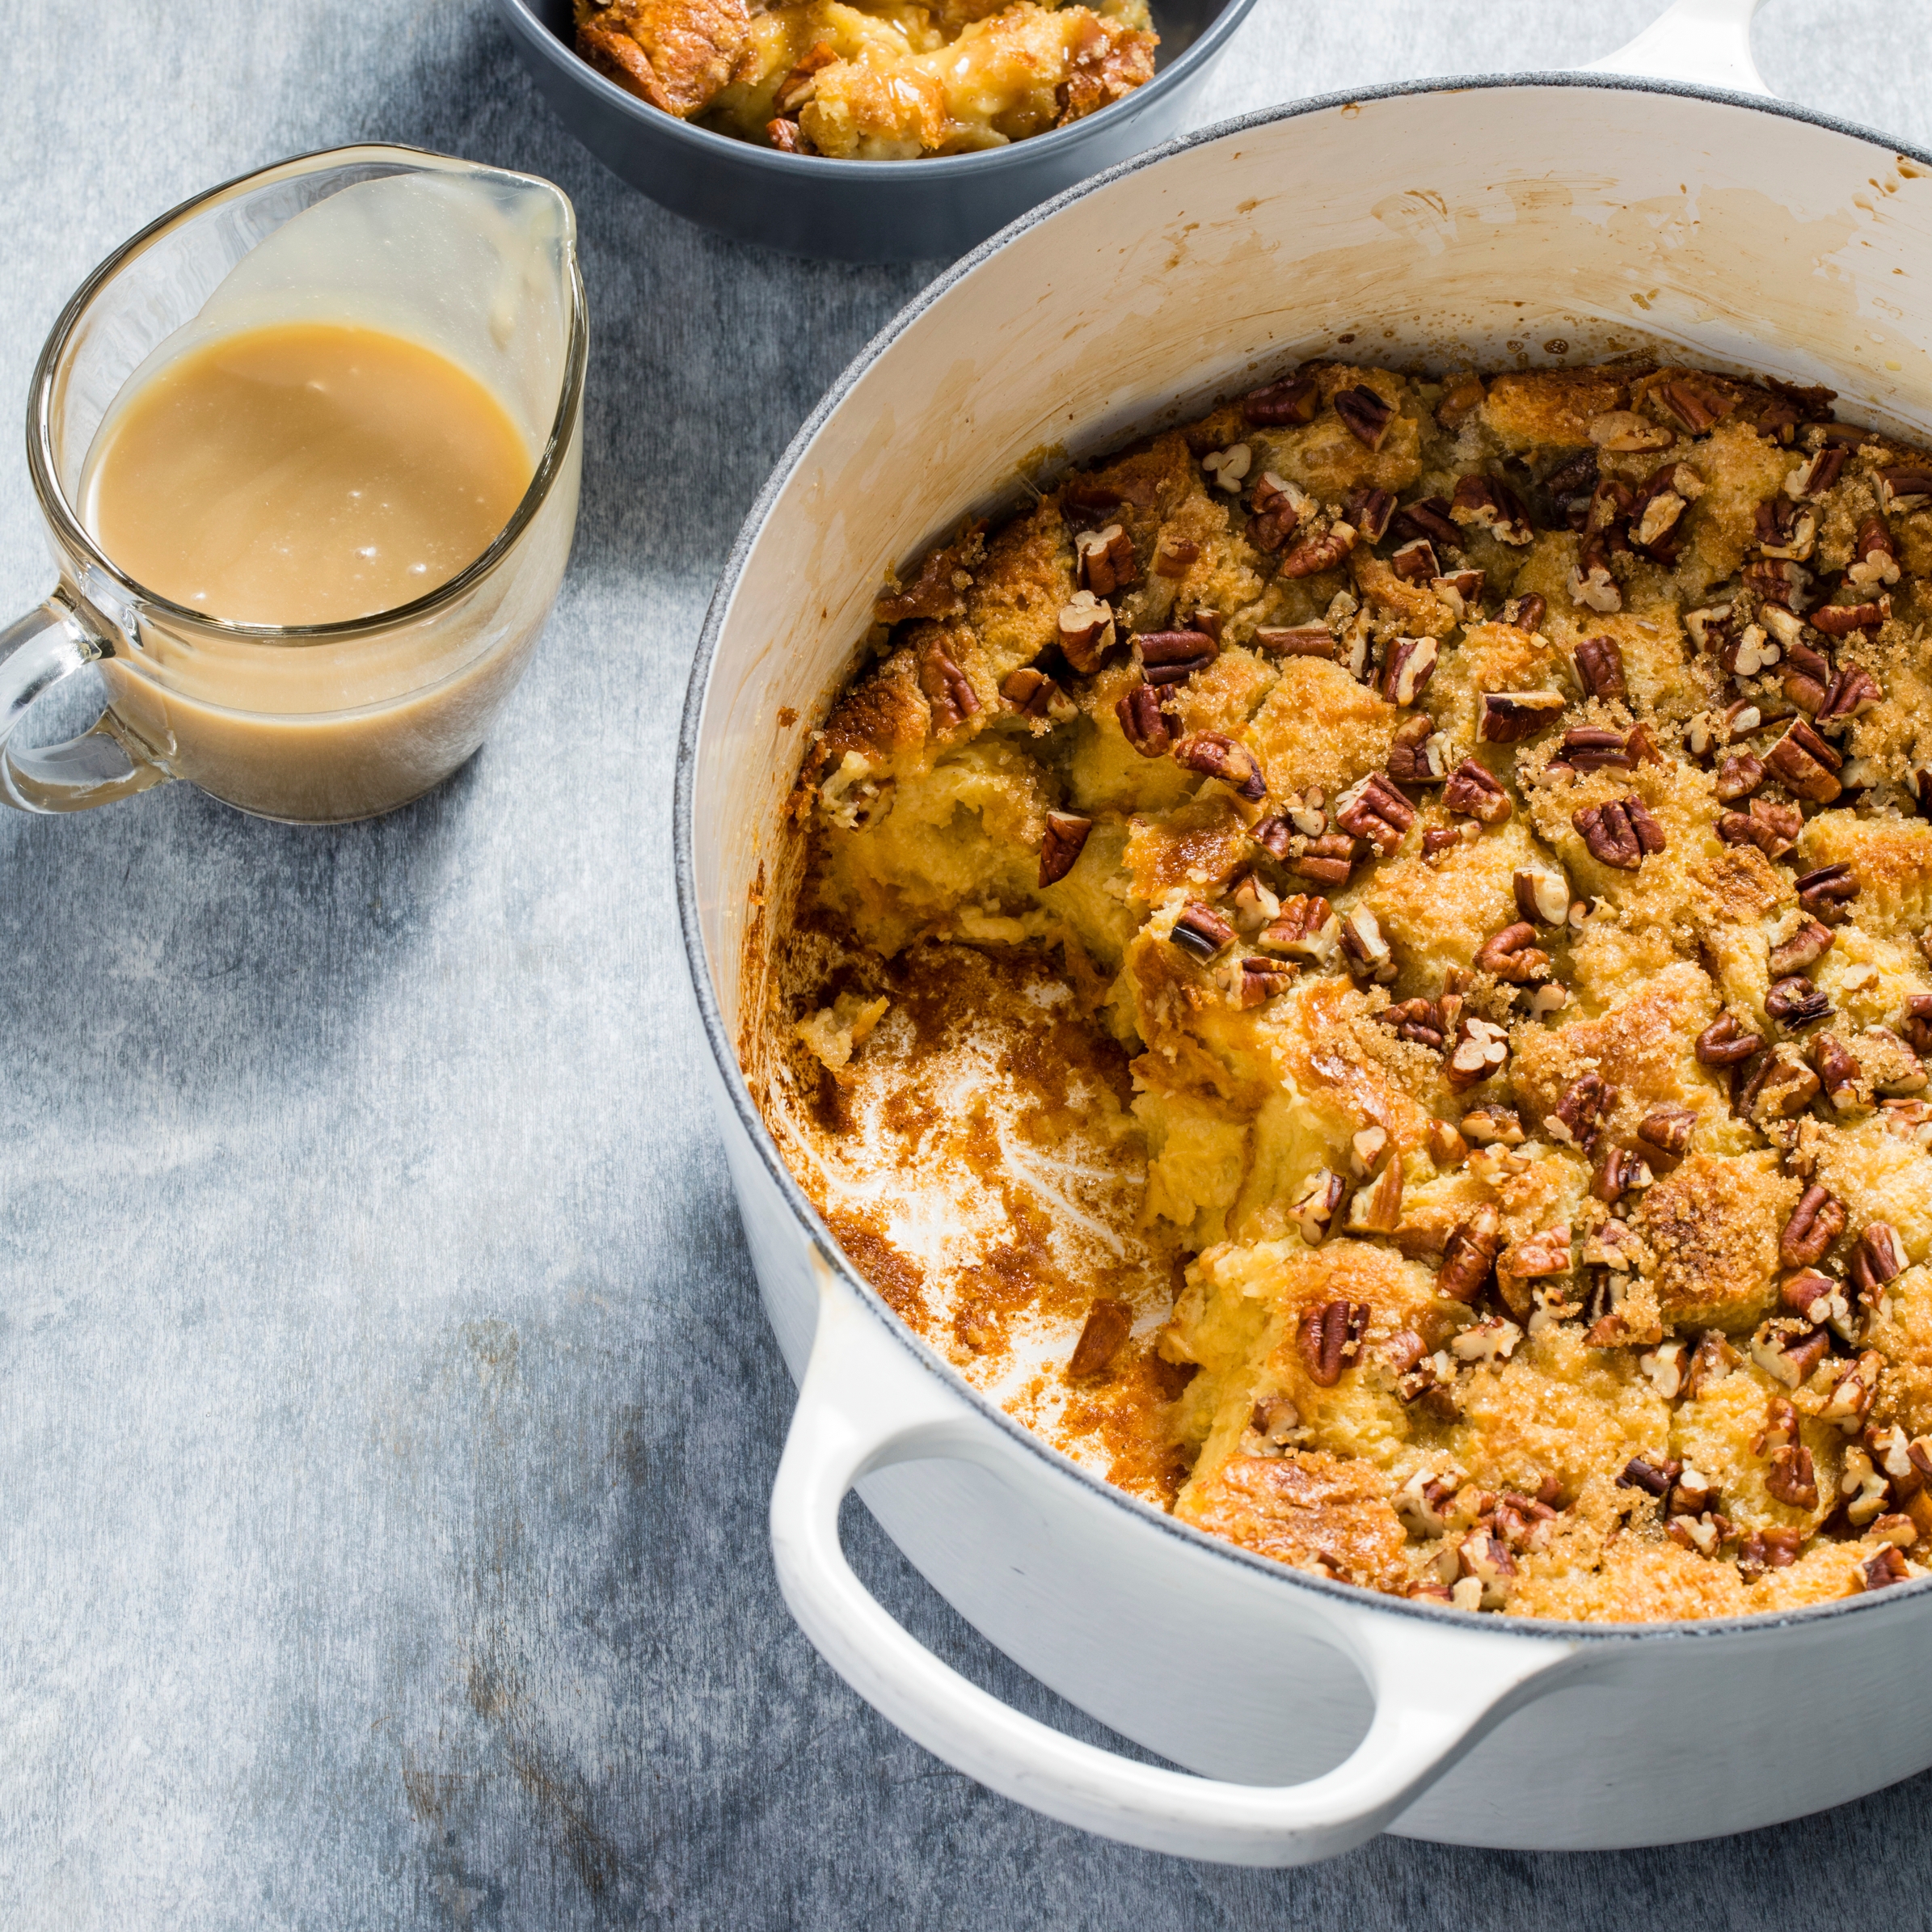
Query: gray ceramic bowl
[[862, 211]]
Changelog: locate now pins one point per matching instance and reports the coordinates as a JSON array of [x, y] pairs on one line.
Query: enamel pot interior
[[1437, 224]]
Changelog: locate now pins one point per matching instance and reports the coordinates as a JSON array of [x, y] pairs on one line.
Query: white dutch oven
[[1550, 218]]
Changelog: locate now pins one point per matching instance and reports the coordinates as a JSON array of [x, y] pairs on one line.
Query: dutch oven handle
[[1707, 43], [1437, 1689]]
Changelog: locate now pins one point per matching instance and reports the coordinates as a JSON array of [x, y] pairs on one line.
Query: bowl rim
[[1055, 1462], [1205, 47]]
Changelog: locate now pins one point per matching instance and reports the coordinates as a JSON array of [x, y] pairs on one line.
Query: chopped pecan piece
[[1784, 530], [1314, 1210], [1298, 640], [1792, 1477], [1509, 717], [1420, 754], [1656, 515], [1368, 510], [1278, 507], [1817, 1220], [1813, 1297], [1085, 501], [1620, 1172], [1838, 1071], [1201, 930], [1840, 620], [1262, 980], [1747, 653], [1173, 656], [1493, 1126], [1668, 1129], [1418, 1021], [1794, 1002], [1471, 1255], [1739, 776], [1852, 1396], [1372, 808], [1620, 834], [1331, 1339], [1764, 1550], [1887, 1567], [1491, 1339], [1109, 1323], [1542, 896], [1826, 891], [1365, 948], [1903, 487], [1427, 517], [1034, 694], [1878, 1259], [1917, 1023], [1484, 503], [1595, 748], [1526, 613], [1377, 1209], [1816, 475], [1577, 1119], [1711, 627], [1698, 406], [1086, 630], [1472, 790], [1875, 558], [1277, 1421], [1773, 829], [1410, 664], [1727, 1042], [1778, 1087], [1367, 415], [1306, 928], [1534, 1258], [1330, 858], [1319, 553], [1228, 467], [1415, 562], [1599, 667], [1294, 399], [1172, 556], [1852, 692], [947, 689], [1105, 560], [1480, 1049], [1219, 757], [784, 135], [1655, 1475], [1149, 728], [1514, 956], [1065, 836]]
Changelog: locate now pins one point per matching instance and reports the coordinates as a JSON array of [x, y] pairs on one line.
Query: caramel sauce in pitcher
[[304, 473], [317, 472]]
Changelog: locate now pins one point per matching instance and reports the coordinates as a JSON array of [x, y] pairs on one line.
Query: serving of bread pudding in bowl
[[1361, 968]]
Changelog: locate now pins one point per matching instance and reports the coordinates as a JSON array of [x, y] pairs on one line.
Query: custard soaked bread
[[1458, 847], [872, 80]]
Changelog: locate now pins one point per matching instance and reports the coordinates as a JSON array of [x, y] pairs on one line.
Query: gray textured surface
[[386, 1418]]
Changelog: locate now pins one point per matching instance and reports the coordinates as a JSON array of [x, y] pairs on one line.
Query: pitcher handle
[[104, 764]]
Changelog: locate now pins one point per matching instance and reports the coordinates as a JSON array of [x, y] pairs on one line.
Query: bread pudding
[[872, 80], [1361, 964]]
